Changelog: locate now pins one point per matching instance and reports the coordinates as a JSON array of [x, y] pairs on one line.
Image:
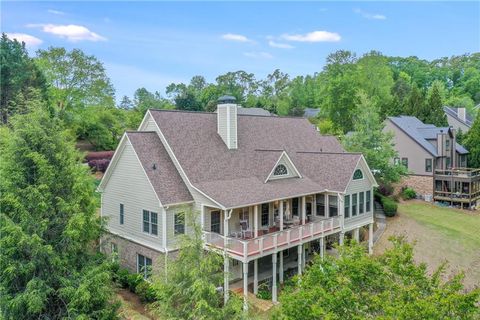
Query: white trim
[[137, 241], [369, 174], [144, 120], [289, 161]]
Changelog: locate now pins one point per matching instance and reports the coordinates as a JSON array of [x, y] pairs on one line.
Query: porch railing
[[276, 240]]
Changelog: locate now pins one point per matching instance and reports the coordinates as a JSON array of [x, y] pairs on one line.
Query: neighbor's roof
[[421, 133], [165, 179], [236, 178], [453, 112], [310, 112], [253, 111]]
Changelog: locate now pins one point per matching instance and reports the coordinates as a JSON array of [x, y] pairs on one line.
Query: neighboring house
[[253, 111], [458, 118], [310, 112], [267, 191], [434, 160]]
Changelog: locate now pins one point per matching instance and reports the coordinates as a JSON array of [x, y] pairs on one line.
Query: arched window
[[280, 170], [358, 174]]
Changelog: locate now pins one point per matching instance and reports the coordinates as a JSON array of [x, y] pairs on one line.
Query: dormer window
[[358, 175], [280, 170]]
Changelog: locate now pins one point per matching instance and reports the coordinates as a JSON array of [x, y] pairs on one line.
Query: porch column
[[280, 212], [304, 209], [274, 281], [225, 278], [356, 235], [280, 267], [370, 238], [245, 285], [255, 221], [300, 248], [255, 276], [341, 238], [322, 247], [314, 205], [202, 217]]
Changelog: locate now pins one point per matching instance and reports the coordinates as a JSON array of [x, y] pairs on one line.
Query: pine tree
[[472, 143], [435, 115]]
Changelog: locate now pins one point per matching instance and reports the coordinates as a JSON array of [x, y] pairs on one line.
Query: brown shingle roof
[[165, 179], [236, 177]]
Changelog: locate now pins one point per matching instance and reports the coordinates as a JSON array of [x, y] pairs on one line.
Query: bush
[[134, 279], [389, 206], [145, 292], [122, 277], [385, 189], [264, 292], [408, 193]]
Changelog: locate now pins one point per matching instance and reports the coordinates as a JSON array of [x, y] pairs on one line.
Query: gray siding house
[[458, 118], [267, 192]]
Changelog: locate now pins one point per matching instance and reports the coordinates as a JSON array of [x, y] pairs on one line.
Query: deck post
[[255, 221], [274, 279], [341, 238], [245, 285], [370, 238], [356, 235], [255, 276], [280, 212], [280, 267], [322, 247], [300, 248]]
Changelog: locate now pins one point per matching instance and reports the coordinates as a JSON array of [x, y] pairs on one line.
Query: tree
[[436, 115], [415, 104], [472, 142], [49, 268], [76, 79], [375, 145], [355, 285], [189, 289], [126, 103], [21, 80]]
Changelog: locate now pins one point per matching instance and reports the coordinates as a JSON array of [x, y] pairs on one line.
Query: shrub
[[389, 206], [134, 279], [263, 292], [408, 193], [145, 292], [385, 189], [122, 277]]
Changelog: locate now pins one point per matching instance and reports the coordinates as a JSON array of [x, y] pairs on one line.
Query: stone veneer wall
[[423, 185]]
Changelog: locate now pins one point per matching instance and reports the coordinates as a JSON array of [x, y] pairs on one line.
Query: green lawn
[[463, 226]]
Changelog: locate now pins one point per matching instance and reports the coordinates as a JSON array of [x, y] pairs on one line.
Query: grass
[[455, 224]]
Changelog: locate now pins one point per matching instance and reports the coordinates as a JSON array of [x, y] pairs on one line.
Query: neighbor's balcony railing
[[271, 242], [459, 172]]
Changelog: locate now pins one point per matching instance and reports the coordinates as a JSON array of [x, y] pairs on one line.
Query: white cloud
[[235, 37], [258, 55], [52, 11], [30, 41], [315, 36], [71, 32], [368, 15], [274, 44]]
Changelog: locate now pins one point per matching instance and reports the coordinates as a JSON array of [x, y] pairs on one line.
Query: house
[[266, 191], [458, 118], [436, 162], [311, 112]]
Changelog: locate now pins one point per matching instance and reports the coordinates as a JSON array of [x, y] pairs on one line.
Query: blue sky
[[151, 44]]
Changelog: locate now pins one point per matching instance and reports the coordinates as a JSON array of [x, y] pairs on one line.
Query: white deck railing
[[273, 241]]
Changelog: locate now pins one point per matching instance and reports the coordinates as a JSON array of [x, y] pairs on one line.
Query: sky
[[152, 44]]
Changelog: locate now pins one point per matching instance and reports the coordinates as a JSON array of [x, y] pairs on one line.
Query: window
[[215, 221], [447, 145], [179, 223], [405, 162], [332, 206], [354, 205], [362, 202], [448, 162], [320, 205], [347, 206], [235, 262], [358, 175], [368, 201], [264, 217], [463, 161], [295, 211], [144, 266], [121, 213], [396, 161], [428, 165], [280, 170], [150, 222]]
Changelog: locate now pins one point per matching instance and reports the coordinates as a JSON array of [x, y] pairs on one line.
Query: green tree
[[472, 142], [76, 79], [434, 105], [189, 289], [49, 268], [375, 145], [20, 81], [355, 285]]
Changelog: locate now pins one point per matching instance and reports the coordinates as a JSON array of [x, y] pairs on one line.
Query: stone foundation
[[423, 185]]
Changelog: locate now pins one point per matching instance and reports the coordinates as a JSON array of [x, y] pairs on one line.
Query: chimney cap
[[226, 99]]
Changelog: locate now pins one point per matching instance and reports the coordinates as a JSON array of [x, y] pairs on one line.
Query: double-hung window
[[179, 223], [362, 202], [332, 206], [320, 203], [264, 216], [354, 204], [144, 266], [347, 206], [368, 200], [150, 222], [122, 214]]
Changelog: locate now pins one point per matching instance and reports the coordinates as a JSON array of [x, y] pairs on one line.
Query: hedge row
[[389, 206], [135, 283]]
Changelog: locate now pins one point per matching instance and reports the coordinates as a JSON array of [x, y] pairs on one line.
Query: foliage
[[48, 265], [21, 81], [369, 139], [355, 285], [434, 104], [389, 206], [264, 292], [145, 292], [189, 288], [472, 143], [408, 193]]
